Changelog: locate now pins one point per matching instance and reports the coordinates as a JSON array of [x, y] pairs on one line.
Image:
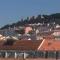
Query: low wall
[[27, 59], [41, 59], [11, 59]]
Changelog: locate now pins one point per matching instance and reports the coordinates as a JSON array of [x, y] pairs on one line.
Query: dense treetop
[[39, 19]]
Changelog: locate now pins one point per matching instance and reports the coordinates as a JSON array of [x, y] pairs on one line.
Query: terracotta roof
[[49, 37], [21, 45], [50, 45]]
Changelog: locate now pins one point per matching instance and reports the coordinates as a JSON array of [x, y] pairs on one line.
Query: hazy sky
[[13, 10]]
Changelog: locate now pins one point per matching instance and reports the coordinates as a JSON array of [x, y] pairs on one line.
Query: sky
[[14, 10]]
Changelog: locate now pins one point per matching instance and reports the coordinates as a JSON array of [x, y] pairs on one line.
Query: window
[[40, 54], [19, 54], [57, 54], [2, 54], [11, 54], [51, 54]]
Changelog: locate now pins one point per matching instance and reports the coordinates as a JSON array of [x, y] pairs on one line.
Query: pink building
[[28, 29]]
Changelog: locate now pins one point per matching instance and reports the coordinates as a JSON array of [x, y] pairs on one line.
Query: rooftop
[[22, 45], [50, 45]]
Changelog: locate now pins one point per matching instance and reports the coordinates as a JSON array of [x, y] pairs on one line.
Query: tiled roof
[[50, 45], [49, 37], [21, 45]]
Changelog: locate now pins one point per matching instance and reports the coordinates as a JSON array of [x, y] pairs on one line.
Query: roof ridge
[[41, 44]]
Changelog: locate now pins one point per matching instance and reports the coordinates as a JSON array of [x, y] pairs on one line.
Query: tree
[[21, 31], [47, 19], [38, 19], [30, 32], [6, 26], [9, 42], [32, 19]]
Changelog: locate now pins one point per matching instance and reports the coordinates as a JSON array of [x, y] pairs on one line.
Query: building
[[18, 48], [46, 48], [50, 48]]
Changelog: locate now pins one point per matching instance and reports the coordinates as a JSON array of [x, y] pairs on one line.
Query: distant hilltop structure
[[43, 19]]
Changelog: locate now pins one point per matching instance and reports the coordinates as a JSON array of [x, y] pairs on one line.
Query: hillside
[[39, 19]]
